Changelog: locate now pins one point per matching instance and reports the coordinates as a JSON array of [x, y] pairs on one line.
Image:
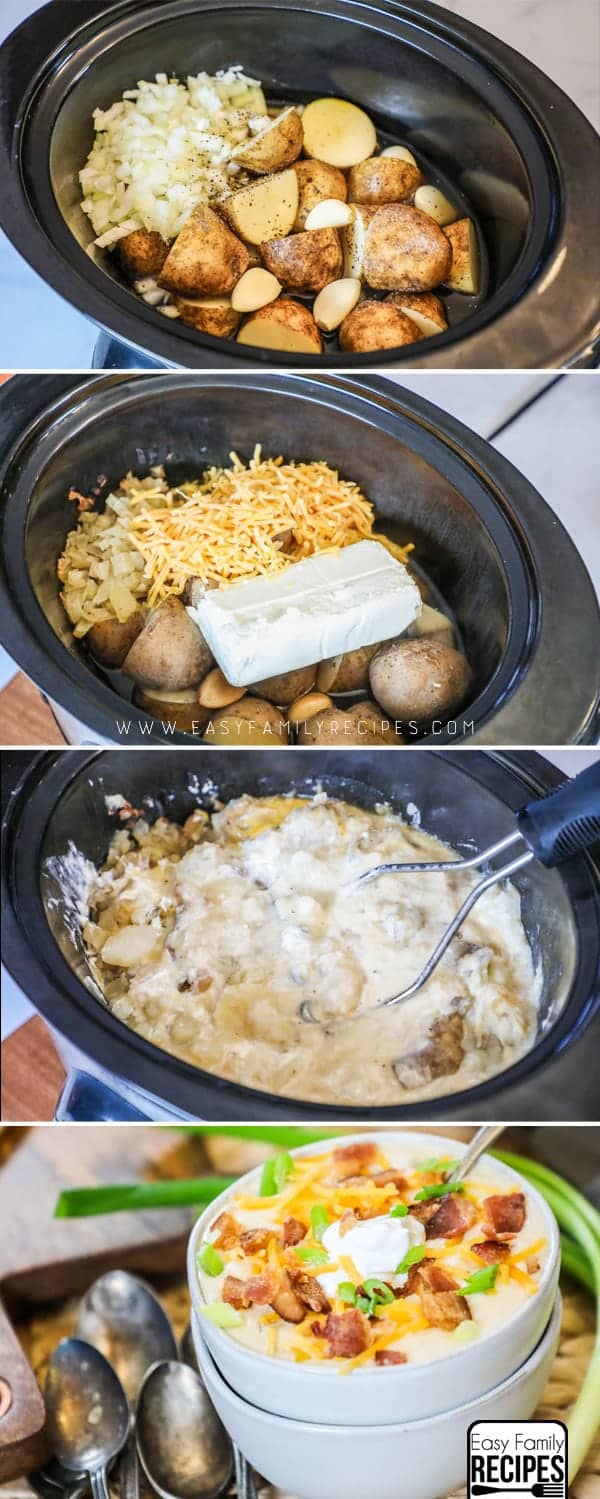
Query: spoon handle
[[244, 1478], [130, 1470], [98, 1483], [481, 1141]]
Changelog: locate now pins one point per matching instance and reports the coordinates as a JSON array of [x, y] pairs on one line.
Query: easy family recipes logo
[[518, 1457]]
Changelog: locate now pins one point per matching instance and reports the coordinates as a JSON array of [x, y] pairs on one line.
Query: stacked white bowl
[[318, 1436]]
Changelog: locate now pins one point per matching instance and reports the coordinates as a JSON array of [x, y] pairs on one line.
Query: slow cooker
[[483, 536], [465, 799], [484, 118]]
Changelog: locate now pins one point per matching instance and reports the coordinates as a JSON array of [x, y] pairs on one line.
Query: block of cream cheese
[[326, 604]]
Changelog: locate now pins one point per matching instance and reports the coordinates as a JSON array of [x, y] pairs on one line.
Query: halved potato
[[401, 153], [464, 271], [383, 179], [284, 325], [284, 688], [424, 308], [338, 132], [376, 325], [330, 214], [266, 209], [255, 289], [170, 653], [179, 708], [110, 640], [276, 147], [317, 180], [206, 258], [142, 253], [405, 250], [353, 238], [430, 200], [335, 302], [305, 262], [215, 315]]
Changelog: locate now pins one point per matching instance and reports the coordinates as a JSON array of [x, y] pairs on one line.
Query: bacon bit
[[390, 1356], [389, 1178], [424, 1211], [286, 540], [229, 1231], [451, 1220], [310, 1292], [318, 1329], [348, 1220], [348, 1333], [293, 1231], [490, 1251], [285, 1301], [259, 1290], [84, 502], [411, 1284], [353, 1159], [438, 1294], [532, 1265], [506, 1213], [253, 1240]]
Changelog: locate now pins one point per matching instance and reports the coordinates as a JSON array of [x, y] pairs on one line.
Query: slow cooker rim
[[543, 101], [458, 452], [145, 1065]]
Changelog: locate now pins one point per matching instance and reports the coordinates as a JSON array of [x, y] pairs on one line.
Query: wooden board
[[25, 715], [32, 1074], [43, 1258]]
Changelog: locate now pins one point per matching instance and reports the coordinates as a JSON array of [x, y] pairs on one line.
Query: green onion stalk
[[578, 1221]]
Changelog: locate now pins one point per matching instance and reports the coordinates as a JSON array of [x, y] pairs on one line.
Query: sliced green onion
[[347, 1292], [222, 1314], [438, 1190], [366, 1304], [379, 1291], [86, 1202], [312, 1256], [210, 1260], [275, 1173], [412, 1257], [437, 1163], [288, 1136], [399, 1211], [320, 1220], [481, 1280]]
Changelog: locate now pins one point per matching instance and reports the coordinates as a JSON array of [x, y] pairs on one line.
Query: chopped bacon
[[259, 1290], [348, 1333], [293, 1231], [347, 1221], [228, 1231], [423, 1211], [353, 1159], [253, 1240], [490, 1251], [310, 1292], [532, 1265], [438, 1294], [286, 1302], [411, 1284], [452, 1218], [318, 1329], [387, 1178], [389, 1356], [83, 500], [505, 1214]]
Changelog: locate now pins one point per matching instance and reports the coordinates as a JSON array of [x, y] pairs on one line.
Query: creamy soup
[[367, 1256], [206, 940]]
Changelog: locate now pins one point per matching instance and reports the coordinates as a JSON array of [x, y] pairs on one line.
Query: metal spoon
[[244, 1478], [482, 1139], [183, 1447], [87, 1412], [53, 1480], [123, 1319]]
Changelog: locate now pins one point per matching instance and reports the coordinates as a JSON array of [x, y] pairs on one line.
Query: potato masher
[[552, 829]]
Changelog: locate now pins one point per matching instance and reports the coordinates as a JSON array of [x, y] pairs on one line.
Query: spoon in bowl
[[183, 1447], [244, 1478], [87, 1412], [121, 1317]]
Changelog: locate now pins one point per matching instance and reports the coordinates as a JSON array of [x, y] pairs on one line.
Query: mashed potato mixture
[[206, 939], [369, 1256]]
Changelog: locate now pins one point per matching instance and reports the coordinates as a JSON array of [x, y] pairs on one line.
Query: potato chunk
[[376, 325], [317, 180], [383, 179], [276, 147], [206, 258], [266, 209], [338, 132], [305, 262], [286, 325], [464, 272], [405, 250]]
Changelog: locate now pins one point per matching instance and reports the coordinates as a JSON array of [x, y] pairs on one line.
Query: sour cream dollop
[[376, 1246]]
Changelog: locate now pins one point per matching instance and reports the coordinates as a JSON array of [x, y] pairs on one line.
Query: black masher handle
[[559, 825]]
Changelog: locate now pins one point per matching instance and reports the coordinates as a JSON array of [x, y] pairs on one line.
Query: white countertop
[[40, 331]]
